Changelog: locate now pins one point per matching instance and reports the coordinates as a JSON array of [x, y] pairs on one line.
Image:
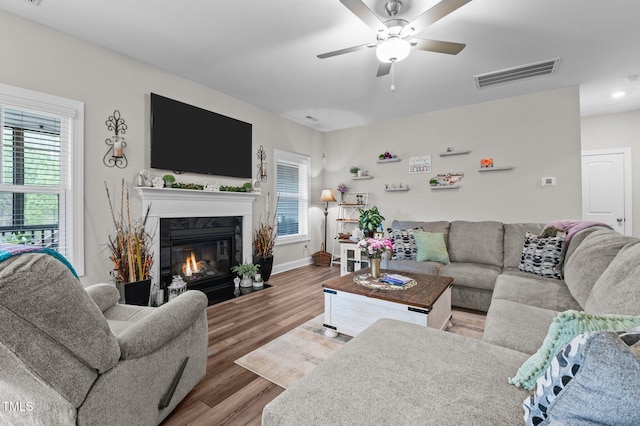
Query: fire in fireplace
[[202, 250]]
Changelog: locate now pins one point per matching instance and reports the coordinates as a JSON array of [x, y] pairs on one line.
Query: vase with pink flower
[[375, 249], [342, 189]]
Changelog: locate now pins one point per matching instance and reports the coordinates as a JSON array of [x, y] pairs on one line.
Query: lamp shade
[[327, 196], [394, 49]]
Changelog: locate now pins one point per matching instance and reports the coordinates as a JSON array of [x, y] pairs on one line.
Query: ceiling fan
[[395, 37]]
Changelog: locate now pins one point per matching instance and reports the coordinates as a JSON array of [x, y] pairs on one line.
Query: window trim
[[30, 100], [300, 159]]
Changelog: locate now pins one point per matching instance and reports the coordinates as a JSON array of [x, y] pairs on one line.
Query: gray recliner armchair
[[70, 355]]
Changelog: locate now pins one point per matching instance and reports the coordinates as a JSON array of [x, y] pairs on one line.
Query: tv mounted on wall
[[185, 138]]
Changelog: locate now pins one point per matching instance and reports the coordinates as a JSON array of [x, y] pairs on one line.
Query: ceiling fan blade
[[434, 14], [347, 50], [384, 68], [438, 46], [366, 15]]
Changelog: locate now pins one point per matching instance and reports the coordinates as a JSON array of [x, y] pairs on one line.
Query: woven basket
[[321, 258]]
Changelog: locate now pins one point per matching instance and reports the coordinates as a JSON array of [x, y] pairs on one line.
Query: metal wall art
[[115, 154]]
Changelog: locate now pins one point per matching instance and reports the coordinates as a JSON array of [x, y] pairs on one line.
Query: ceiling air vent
[[33, 2], [517, 73]]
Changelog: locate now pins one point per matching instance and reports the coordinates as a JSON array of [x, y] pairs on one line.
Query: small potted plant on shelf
[[369, 220], [246, 271], [354, 171], [168, 180]]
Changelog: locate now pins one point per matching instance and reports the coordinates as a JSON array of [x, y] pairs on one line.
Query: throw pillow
[[404, 244], [542, 256], [431, 247], [565, 326], [597, 382], [563, 368]]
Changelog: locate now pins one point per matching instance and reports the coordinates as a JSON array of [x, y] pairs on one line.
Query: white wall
[[538, 134], [48, 61], [619, 130]]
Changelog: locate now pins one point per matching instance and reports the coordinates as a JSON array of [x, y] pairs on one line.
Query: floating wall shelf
[[389, 160], [448, 153], [362, 177], [445, 187], [495, 169], [404, 188]]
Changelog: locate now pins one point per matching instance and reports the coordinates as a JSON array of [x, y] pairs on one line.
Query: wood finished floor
[[232, 395]]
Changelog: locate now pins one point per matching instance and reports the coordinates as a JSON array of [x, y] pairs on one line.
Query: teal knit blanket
[[9, 250]]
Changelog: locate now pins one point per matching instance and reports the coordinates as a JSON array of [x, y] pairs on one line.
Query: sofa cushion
[[400, 373], [546, 293], [441, 226], [431, 247], [431, 268], [542, 256], [514, 238], [590, 259], [599, 391], [517, 326], [565, 326], [477, 242], [617, 290], [404, 244], [472, 275]]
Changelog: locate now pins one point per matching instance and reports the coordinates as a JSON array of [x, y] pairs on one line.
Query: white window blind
[[40, 183], [292, 186]]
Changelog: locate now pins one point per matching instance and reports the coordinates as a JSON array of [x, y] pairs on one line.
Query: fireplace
[[216, 227], [201, 250]]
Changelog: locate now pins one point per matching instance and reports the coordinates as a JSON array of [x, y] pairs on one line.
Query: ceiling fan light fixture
[[394, 49]]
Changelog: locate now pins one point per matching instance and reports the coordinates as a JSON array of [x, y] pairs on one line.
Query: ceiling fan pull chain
[[393, 80]]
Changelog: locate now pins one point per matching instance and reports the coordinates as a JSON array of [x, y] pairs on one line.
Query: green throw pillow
[[431, 247], [565, 326]]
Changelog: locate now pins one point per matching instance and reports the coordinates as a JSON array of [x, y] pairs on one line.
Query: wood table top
[[426, 292]]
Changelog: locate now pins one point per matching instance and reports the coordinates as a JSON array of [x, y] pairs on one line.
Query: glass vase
[[375, 267]]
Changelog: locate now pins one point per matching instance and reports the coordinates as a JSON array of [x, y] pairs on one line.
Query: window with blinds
[[292, 186], [37, 175]]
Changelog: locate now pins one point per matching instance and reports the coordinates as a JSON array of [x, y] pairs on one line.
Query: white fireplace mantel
[[170, 203]]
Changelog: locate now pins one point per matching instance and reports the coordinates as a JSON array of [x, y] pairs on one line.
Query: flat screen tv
[[185, 138]]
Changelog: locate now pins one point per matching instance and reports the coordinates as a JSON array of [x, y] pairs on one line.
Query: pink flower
[[374, 248]]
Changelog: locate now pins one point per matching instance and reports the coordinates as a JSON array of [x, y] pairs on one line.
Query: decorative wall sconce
[[115, 154], [262, 167]]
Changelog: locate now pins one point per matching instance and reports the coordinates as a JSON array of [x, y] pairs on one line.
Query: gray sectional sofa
[[399, 373]]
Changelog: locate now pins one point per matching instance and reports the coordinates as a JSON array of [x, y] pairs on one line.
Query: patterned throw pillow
[[594, 370], [563, 368], [564, 327], [542, 256], [404, 244]]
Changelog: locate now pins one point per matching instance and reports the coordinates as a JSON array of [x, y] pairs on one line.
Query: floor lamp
[[327, 197]]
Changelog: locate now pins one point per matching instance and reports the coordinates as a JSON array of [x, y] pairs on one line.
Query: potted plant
[[130, 252], [354, 171], [263, 242], [369, 220], [246, 271], [168, 180]]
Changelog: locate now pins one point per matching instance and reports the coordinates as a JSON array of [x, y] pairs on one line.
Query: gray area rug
[[288, 358]]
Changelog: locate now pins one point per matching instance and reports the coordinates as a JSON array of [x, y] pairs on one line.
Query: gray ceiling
[[264, 52]]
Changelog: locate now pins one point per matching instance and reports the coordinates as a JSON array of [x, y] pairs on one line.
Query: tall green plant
[[370, 219]]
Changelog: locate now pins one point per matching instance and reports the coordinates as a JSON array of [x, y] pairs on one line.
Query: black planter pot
[[266, 266], [137, 293]]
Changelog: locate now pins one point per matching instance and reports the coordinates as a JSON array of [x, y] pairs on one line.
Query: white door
[[606, 188]]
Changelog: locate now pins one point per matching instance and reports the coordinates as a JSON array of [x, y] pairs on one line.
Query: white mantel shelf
[[174, 202]]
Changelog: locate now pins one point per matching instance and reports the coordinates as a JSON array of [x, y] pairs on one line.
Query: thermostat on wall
[[548, 181]]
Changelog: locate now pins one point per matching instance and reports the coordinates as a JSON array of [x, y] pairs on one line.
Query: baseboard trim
[[283, 267]]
